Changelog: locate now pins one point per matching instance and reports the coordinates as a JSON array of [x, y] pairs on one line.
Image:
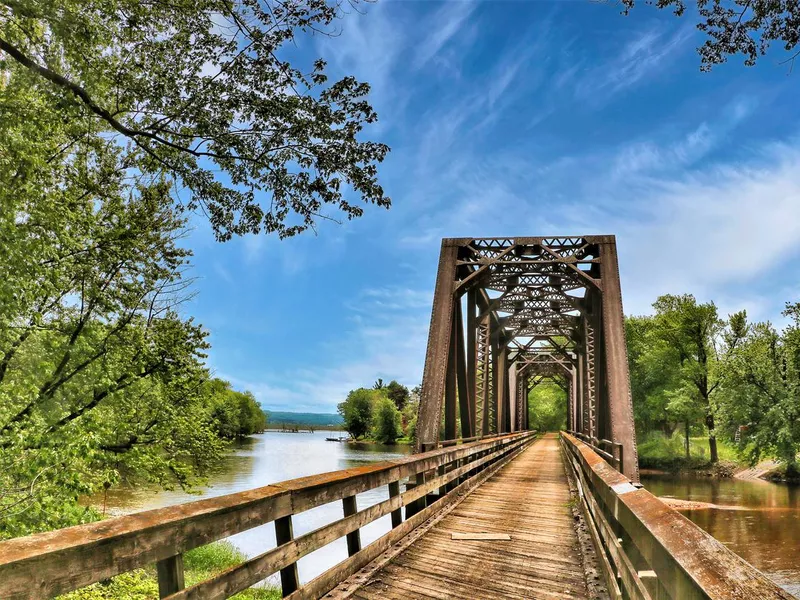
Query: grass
[[658, 451], [199, 564]]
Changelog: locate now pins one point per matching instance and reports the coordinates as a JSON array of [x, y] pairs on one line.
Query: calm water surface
[[766, 533], [268, 458]]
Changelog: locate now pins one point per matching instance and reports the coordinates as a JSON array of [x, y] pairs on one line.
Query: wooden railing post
[[170, 575], [284, 533], [354, 537], [397, 515]]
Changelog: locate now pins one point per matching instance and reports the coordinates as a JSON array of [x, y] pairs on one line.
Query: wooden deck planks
[[527, 499]]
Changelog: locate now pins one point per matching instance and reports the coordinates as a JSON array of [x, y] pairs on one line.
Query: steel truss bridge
[[486, 508]]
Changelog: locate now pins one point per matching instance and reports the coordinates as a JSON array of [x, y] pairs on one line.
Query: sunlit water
[[268, 458], [767, 535]]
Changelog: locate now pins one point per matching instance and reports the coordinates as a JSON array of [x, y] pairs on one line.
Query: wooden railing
[[610, 451], [47, 564], [648, 550]]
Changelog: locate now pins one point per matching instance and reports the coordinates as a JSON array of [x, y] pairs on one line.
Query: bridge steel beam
[[532, 304]]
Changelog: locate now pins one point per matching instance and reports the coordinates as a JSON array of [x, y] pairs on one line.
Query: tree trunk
[[686, 443], [712, 438]]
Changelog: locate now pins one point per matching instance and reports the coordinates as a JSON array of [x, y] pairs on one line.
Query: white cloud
[[386, 339], [642, 56], [447, 22], [712, 229]]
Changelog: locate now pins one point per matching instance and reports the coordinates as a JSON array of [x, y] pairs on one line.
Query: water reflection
[[268, 458], [767, 535]]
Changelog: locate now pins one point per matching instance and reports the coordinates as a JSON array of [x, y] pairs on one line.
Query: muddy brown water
[[764, 529]]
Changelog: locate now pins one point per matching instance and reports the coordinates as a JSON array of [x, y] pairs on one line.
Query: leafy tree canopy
[[732, 27], [194, 93], [358, 411], [398, 393], [388, 424]]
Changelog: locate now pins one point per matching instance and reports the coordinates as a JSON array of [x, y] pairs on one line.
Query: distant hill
[[307, 419]]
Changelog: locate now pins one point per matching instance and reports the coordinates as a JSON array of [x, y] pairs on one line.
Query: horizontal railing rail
[[650, 551], [610, 451], [52, 563]]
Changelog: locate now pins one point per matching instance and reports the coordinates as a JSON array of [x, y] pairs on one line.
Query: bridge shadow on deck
[[528, 499]]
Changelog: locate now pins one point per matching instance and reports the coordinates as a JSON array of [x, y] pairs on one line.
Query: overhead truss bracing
[[512, 313]]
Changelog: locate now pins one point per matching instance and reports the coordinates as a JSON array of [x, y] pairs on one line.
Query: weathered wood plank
[[528, 499]]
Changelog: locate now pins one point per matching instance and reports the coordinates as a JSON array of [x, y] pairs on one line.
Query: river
[[269, 458], [766, 532]]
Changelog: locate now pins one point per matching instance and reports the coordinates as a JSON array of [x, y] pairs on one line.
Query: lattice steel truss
[[510, 313]]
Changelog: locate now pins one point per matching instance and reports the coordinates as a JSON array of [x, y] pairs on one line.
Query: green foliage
[[192, 93], [199, 564], [388, 422], [660, 451], [547, 406], [99, 374], [398, 393], [358, 411], [763, 393], [739, 27], [655, 373], [409, 415], [235, 414], [704, 344], [694, 371]]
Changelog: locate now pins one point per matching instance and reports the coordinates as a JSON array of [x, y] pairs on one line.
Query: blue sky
[[516, 118]]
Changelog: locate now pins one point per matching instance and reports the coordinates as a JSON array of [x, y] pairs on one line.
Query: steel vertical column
[[433, 377], [616, 360]]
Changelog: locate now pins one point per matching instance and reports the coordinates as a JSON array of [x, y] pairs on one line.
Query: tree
[[397, 393], [357, 411], [409, 417], [547, 406], [388, 425], [764, 391], [99, 374], [654, 367], [747, 27], [703, 342], [235, 414], [378, 385], [193, 94]]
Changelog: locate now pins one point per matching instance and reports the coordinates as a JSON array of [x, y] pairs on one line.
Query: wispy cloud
[[386, 338], [448, 20], [645, 55]]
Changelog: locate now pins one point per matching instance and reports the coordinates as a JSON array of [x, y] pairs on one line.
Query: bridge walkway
[[528, 499]]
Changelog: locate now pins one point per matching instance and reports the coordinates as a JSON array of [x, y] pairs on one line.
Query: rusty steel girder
[[509, 313]]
